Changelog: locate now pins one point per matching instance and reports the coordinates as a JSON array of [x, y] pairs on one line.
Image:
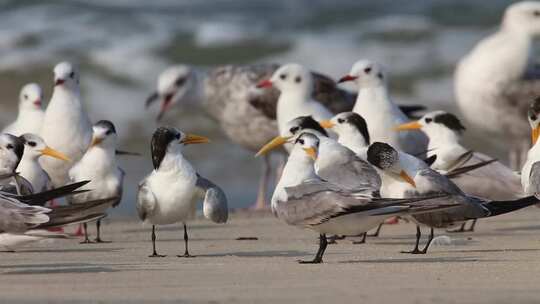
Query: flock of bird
[[353, 161]]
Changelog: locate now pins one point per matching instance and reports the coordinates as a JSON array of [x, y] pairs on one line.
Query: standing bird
[[373, 103], [100, 167], [530, 174], [171, 192], [66, 125], [394, 165], [30, 117], [495, 81], [29, 167]]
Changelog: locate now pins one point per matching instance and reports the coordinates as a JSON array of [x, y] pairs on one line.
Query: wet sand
[[499, 263]]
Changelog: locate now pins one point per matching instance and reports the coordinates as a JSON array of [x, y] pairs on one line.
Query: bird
[[66, 125], [352, 131], [172, 191], [374, 104], [245, 114], [29, 167], [493, 181], [30, 116], [11, 153], [494, 82], [303, 199], [99, 165], [530, 173], [405, 179]]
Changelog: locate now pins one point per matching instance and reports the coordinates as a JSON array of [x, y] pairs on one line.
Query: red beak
[[347, 78], [59, 82], [264, 84], [165, 105], [37, 103]]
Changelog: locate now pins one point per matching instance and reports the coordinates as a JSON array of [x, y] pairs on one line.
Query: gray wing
[[352, 173], [215, 202], [120, 188], [146, 201], [18, 217], [534, 179]]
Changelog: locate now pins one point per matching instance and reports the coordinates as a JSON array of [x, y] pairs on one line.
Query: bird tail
[[78, 213], [502, 207], [42, 197]]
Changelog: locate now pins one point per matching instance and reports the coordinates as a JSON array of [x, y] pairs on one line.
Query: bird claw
[[186, 255], [87, 241], [155, 255], [314, 261], [97, 240]]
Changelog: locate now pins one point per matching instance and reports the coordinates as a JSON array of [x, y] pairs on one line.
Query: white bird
[[29, 167], [494, 82], [11, 153], [404, 179], [303, 199], [172, 191], [30, 116], [66, 125], [352, 131], [374, 104], [530, 173], [100, 167]]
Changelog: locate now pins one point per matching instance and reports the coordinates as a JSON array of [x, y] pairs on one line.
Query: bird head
[[290, 77], [31, 97], [365, 73]]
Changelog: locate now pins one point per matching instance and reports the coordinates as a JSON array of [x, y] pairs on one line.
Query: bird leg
[[376, 234], [473, 224], [154, 254], [98, 232], [86, 239], [186, 252], [260, 203], [418, 235], [332, 239], [362, 241], [424, 251], [461, 229], [322, 247]]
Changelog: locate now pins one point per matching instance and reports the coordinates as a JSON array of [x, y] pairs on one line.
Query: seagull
[[29, 167], [303, 199], [530, 174], [99, 166], [171, 192], [494, 82], [404, 179], [30, 117], [66, 125], [374, 104]]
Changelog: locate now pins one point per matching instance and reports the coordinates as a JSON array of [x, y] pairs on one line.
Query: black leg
[[98, 232], [424, 251], [418, 235], [154, 254], [362, 241], [86, 239], [332, 239], [376, 234], [322, 247], [186, 252], [461, 229], [473, 224]]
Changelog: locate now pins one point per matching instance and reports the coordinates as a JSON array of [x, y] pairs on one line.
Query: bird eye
[[283, 76], [72, 74], [301, 141], [380, 75], [367, 70], [298, 79], [533, 117], [32, 143], [536, 13], [294, 129], [180, 81], [9, 146], [25, 96], [428, 120], [341, 120], [109, 132], [177, 136]]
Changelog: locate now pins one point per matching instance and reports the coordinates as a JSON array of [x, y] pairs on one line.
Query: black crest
[[160, 141], [107, 124], [534, 109], [17, 144], [381, 155], [307, 122], [450, 121], [360, 124]]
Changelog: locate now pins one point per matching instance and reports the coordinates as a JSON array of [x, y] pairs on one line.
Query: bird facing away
[[30, 116], [172, 191], [381, 114], [66, 125], [99, 165], [496, 80]]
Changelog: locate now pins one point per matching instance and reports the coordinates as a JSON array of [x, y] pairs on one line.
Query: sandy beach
[[497, 264]]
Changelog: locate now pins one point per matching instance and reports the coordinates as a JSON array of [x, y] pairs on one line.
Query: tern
[[30, 116], [66, 125], [530, 173], [172, 191], [100, 167]]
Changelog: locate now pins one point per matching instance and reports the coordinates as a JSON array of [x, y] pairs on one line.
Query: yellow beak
[[194, 139], [535, 134], [407, 178], [53, 153], [274, 143], [311, 152], [327, 124], [96, 141], [413, 125]]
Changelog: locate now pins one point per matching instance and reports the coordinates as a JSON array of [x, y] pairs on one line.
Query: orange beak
[[535, 134], [327, 124], [406, 177], [413, 125]]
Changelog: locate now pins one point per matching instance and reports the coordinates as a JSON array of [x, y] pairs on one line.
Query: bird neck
[[372, 97], [442, 137], [354, 141], [299, 168], [103, 158], [175, 164]]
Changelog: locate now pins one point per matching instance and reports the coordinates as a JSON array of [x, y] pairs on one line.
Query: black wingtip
[[122, 152], [42, 197], [151, 99], [502, 207]]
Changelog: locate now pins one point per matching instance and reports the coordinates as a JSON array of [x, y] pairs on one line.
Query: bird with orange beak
[[530, 173]]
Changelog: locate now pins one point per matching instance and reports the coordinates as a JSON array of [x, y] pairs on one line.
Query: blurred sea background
[[121, 46]]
